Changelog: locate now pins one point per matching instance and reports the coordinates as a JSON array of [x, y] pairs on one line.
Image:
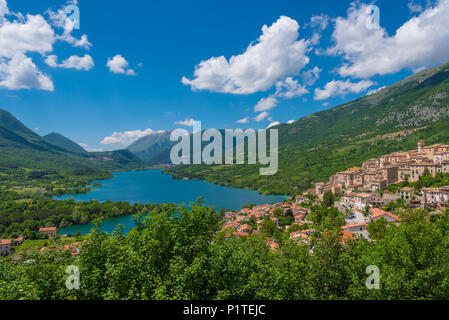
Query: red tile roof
[[47, 229], [376, 212], [5, 241], [355, 225]]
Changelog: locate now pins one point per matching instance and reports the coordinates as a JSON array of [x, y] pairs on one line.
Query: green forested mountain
[[315, 147], [63, 142], [21, 147], [149, 148]]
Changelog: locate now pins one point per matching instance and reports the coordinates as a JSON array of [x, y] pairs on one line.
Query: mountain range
[[310, 150], [21, 147], [154, 148], [63, 142], [321, 144]]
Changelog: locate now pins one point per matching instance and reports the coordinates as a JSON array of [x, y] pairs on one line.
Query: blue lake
[[156, 187]]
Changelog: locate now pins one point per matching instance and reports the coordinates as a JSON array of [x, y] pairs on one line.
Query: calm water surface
[[156, 187]]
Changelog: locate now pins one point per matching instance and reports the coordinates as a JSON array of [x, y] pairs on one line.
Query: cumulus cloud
[[370, 92], [414, 7], [309, 77], [265, 104], [21, 35], [243, 121], [19, 72], [290, 88], [276, 54], [74, 62], [273, 124], [32, 35], [340, 88], [89, 148], [126, 138], [421, 41], [119, 65], [319, 22], [290, 121], [59, 19], [186, 122], [262, 116]]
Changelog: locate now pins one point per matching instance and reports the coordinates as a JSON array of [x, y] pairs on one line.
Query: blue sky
[[164, 41]]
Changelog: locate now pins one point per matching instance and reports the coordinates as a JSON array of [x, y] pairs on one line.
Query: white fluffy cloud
[[3, 9], [119, 65], [126, 138], [290, 88], [414, 7], [421, 41], [273, 124], [74, 62], [262, 116], [19, 72], [89, 148], [59, 19], [290, 121], [339, 88], [186, 122], [370, 92], [21, 35], [276, 54], [243, 121], [319, 22], [265, 104], [309, 77], [32, 35]]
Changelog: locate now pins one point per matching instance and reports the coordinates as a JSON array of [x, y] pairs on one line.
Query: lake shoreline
[[154, 186]]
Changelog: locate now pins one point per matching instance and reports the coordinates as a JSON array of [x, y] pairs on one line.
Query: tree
[[378, 228], [328, 200], [268, 227]]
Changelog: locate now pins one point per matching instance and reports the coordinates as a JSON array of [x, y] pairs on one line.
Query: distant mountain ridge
[[152, 149], [21, 147], [63, 142]]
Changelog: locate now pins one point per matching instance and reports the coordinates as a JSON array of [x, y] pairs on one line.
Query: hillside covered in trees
[[321, 144]]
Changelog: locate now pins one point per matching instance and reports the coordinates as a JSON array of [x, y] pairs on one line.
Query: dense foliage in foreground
[[177, 253]]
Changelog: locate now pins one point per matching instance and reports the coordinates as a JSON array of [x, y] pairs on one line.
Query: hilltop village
[[358, 193]]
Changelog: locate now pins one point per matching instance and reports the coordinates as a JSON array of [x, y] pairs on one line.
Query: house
[[240, 234], [245, 228], [18, 241], [362, 200], [5, 247], [50, 232], [435, 196], [300, 199], [231, 224], [74, 247], [358, 201], [359, 228], [299, 214], [298, 235], [406, 193], [377, 214]]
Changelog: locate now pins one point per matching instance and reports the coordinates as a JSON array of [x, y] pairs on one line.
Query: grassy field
[[36, 245]]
